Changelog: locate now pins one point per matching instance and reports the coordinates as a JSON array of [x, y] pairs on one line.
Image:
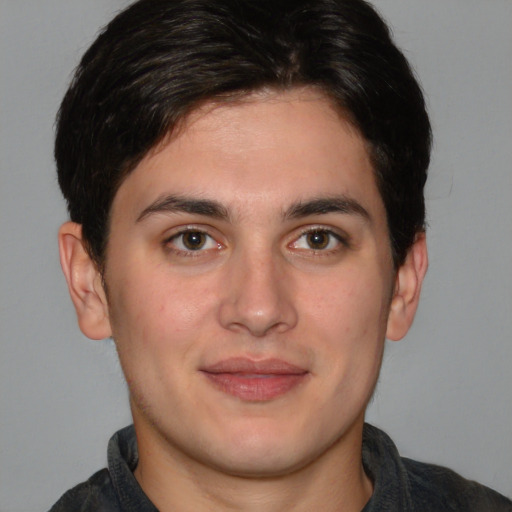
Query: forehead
[[263, 150]]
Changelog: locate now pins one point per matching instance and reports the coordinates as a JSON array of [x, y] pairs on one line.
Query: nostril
[[257, 319]]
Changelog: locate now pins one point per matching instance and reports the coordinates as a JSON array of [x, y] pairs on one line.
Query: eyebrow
[[324, 205], [211, 208], [176, 204]]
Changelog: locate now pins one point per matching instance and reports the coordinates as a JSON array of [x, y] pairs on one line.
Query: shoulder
[[438, 488], [402, 484], [95, 494]]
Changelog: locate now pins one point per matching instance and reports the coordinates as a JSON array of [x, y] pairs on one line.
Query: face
[[249, 279]]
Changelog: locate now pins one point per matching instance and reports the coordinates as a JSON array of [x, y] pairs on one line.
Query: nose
[[257, 296]]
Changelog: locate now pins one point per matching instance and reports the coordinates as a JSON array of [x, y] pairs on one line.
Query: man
[[245, 185]]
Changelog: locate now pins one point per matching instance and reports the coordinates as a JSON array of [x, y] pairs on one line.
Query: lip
[[255, 381]]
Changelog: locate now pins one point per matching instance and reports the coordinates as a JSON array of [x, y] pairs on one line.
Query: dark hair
[[160, 59]]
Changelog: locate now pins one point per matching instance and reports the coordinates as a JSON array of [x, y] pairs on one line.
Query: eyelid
[[191, 228], [338, 233], [186, 228], [341, 237]]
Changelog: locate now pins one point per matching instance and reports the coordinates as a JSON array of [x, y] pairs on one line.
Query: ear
[[408, 281], [84, 283]]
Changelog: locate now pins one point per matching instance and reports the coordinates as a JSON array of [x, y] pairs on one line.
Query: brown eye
[[194, 240], [318, 240], [192, 243]]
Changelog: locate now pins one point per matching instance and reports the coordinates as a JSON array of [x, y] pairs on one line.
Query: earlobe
[[408, 281], [84, 283]]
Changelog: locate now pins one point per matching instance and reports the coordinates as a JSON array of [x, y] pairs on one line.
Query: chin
[[264, 454], [261, 464]]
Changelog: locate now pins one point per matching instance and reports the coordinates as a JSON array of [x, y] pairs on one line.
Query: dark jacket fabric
[[400, 485]]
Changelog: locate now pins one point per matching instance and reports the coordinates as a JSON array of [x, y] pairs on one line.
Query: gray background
[[444, 393]]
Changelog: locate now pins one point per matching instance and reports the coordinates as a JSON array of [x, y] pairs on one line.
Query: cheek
[[155, 310], [352, 306], [349, 315], [156, 326]]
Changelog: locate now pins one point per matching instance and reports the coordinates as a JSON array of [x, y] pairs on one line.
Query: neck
[[333, 482]]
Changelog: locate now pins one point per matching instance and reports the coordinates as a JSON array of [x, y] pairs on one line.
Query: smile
[[255, 381]]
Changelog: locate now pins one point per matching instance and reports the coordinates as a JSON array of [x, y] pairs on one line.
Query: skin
[[272, 276]]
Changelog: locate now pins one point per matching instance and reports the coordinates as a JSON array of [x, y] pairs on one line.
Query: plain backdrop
[[445, 391]]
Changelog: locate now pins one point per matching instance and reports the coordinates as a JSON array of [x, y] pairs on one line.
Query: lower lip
[[255, 388]]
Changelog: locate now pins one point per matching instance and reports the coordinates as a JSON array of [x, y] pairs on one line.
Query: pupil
[[194, 240], [318, 240]]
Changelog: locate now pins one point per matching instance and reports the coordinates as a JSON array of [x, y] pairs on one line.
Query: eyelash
[[341, 242], [168, 242]]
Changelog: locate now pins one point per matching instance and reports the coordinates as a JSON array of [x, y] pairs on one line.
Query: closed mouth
[[255, 381]]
